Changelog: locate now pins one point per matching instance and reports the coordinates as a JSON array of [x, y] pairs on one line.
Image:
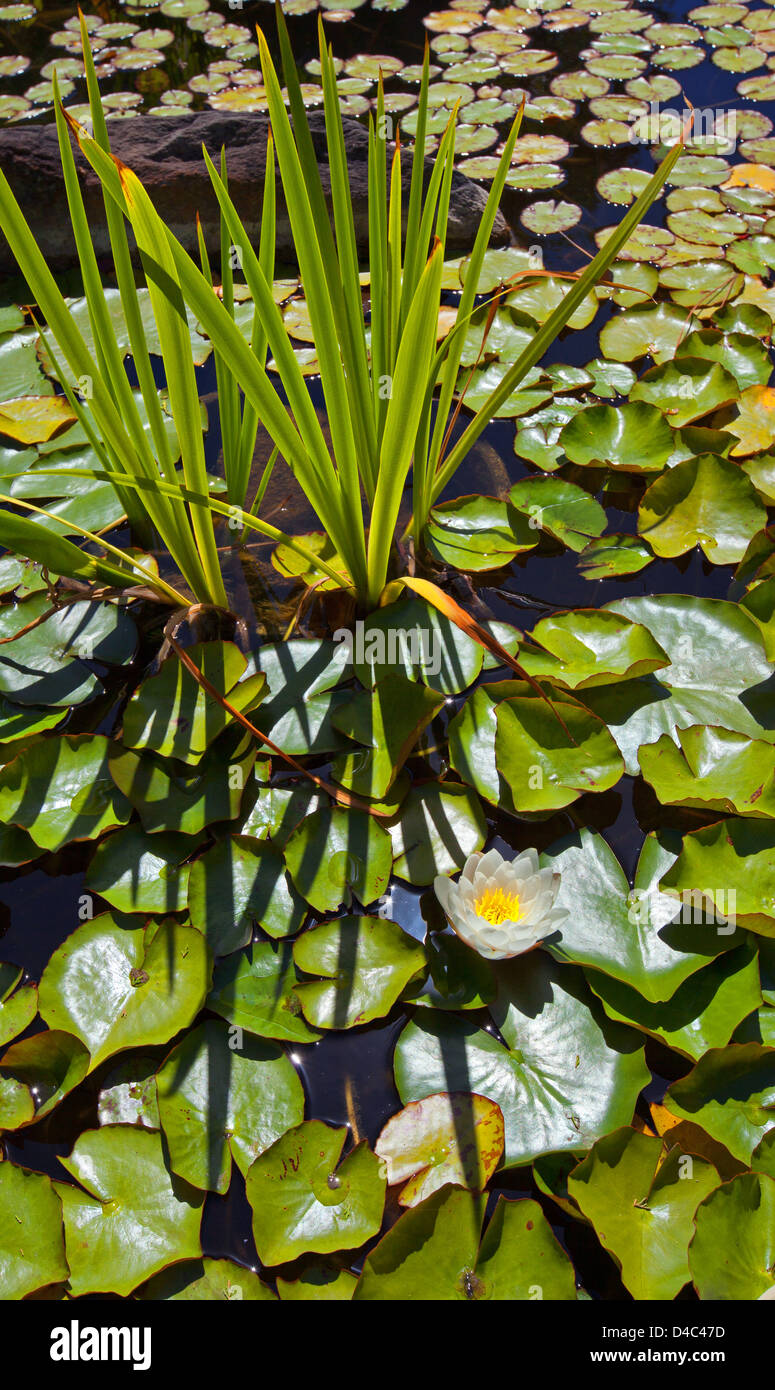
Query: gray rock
[[167, 157]]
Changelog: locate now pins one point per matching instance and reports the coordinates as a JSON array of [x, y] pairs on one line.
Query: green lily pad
[[645, 332], [458, 977], [565, 1076], [236, 883], [255, 991], [136, 872], [638, 936], [704, 1011], [366, 962], [562, 509], [686, 389], [738, 854], [622, 186], [413, 637], [429, 1253], [550, 216], [730, 1093], [442, 1139], [730, 1256], [116, 986], [32, 1247], [473, 533], [46, 1067], [60, 790], [206, 1281], [387, 721], [48, 665], [185, 799], [713, 769], [438, 826], [614, 555], [633, 437], [693, 689], [641, 1202], [318, 1282], [304, 1199], [546, 766], [131, 1218], [585, 648], [219, 1102], [128, 1096], [18, 1007], [336, 853], [174, 716], [706, 501]]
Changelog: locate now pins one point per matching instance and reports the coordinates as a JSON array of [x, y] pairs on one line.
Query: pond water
[[348, 1076]]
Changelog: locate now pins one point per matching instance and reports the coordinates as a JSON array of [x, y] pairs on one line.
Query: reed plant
[[388, 383]]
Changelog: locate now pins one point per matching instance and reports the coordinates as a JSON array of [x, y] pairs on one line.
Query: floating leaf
[[693, 689], [304, 1199], [706, 501], [387, 722], [207, 1281], [633, 437], [546, 766], [563, 509], [334, 853], [173, 715], [614, 555], [730, 1093], [738, 854], [712, 769], [60, 790], [46, 1067], [473, 533], [132, 1218], [563, 1078], [443, 1139], [585, 648], [218, 1102], [438, 826], [48, 664], [32, 1248], [731, 1255], [366, 962], [136, 872], [641, 1202], [31, 419], [255, 991], [151, 981], [755, 423], [236, 883]]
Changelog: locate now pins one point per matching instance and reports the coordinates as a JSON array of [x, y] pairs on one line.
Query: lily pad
[[473, 533], [645, 332], [564, 1077], [255, 991], [336, 853], [136, 872], [443, 1139], [219, 1102], [730, 1093], [693, 632], [614, 555], [738, 854], [116, 986], [131, 1217], [712, 769], [438, 826], [32, 1247], [210, 1281], [49, 665], [46, 1067], [386, 722], [366, 962], [561, 508], [585, 648], [633, 437], [731, 1254], [236, 883], [174, 716], [642, 1202], [304, 1199], [60, 790], [706, 501]]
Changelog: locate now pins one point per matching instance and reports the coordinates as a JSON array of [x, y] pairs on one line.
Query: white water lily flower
[[501, 907]]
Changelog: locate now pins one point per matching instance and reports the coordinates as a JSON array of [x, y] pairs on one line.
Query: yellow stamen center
[[496, 906]]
